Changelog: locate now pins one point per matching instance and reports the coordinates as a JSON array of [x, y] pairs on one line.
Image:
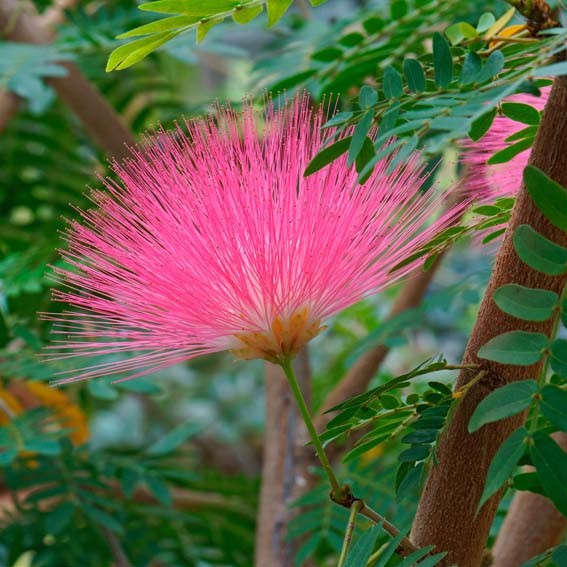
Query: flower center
[[285, 338]]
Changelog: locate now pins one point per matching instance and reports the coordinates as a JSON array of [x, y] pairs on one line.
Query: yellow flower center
[[286, 337]]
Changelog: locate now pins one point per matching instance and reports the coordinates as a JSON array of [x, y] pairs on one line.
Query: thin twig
[[354, 510]]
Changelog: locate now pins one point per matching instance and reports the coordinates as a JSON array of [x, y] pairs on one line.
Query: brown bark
[[282, 471], [533, 525], [9, 103], [19, 22], [446, 516], [364, 369]]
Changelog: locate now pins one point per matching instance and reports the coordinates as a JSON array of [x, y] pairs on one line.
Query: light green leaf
[[504, 402], [526, 303], [517, 348], [276, 9], [130, 53], [245, 15], [484, 22], [459, 31], [549, 197], [190, 8], [538, 252], [554, 405], [550, 462], [163, 25], [503, 464]]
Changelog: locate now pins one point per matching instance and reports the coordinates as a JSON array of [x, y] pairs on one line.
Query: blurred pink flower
[[485, 183], [214, 240]]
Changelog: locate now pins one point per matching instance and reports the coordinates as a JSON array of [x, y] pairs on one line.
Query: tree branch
[[446, 516], [532, 526], [19, 22]]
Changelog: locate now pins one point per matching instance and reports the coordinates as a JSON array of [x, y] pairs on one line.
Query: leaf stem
[[336, 491], [340, 494], [354, 510]]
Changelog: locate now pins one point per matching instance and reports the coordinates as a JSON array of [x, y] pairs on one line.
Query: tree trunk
[[446, 516], [533, 525], [283, 466]]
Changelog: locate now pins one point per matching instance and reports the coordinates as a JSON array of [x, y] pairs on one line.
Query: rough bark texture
[[19, 22], [446, 516], [283, 466], [533, 525], [364, 369]]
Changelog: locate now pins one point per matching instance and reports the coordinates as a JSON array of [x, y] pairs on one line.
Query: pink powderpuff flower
[[214, 240], [485, 183]]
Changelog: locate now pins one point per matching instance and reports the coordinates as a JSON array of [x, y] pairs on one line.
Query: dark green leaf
[[174, 439], [363, 548], [412, 559], [504, 463], [326, 156], [442, 61], [518, 348], [367, 97], [528, 481], [398, 9], [510, 152], [540, 253], [359, 136], [550, 461], [520, 112], [420, 436], [471, 68], [414, 74], [554, 405], [549, 196], [103, 518], [327, 54], [481, 125], [503, 402], [364, 156], [393, 86], [558, 357], [559, 556], [492, 67], [389, 550], [59, 518], [415, 453], [526, 303], [337, 119], [159, 489]]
